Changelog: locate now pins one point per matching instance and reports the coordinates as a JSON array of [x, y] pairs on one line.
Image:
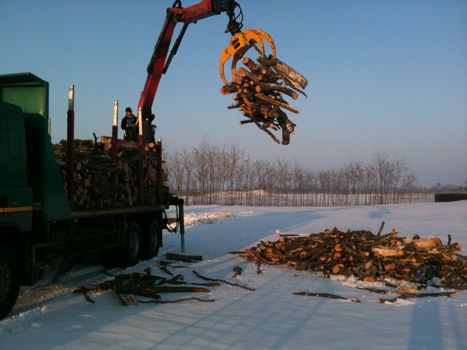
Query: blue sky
[[385, 76]]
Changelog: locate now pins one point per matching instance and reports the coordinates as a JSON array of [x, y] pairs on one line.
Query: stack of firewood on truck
[[369, 257], [99, 182]]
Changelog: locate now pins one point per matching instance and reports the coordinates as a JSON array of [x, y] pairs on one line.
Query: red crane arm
[[175, 14]]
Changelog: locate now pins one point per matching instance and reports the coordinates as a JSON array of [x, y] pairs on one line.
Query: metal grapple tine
[[224, 58], [265, 36], [238, 56], [239, 44]]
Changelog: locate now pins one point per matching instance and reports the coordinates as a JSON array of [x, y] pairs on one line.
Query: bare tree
[[227, 175], [356, 175]]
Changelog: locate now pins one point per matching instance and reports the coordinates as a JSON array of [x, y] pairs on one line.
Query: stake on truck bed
[[70, 138]]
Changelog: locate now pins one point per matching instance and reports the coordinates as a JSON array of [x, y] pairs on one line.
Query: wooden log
[[177, 300], [275, 102], [154, 290], [381, 228], [337, 268], [242, 72], [426, 244], [250, 63], [229, 88], [223, 281], [376, 290], [263, 87], [183, 257], [128, 299], [295, 77], [387, 252], [249, 106], [327, 295]]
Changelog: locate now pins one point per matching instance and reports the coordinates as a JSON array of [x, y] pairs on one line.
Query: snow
[[48, 316], [193, 218]]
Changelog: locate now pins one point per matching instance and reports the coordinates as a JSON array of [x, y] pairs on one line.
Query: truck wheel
[[133, 245], [151, 239], [9, 282]]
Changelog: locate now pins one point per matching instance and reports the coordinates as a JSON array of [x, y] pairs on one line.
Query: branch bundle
[[127, 286], [367, 256], [259, 89]]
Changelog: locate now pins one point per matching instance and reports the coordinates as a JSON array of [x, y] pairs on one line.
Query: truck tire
[[132, 250], [9, 281], [151, 239]]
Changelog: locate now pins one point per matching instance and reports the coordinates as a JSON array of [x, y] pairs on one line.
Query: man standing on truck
[[129, 125]]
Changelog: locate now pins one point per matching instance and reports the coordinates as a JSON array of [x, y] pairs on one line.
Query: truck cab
[[23, 112], [27, 163], [31, 190], [16, 195]]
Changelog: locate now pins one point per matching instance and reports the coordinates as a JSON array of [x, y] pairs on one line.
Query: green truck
[[38, 224]]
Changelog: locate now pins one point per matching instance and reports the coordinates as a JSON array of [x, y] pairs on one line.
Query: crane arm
[[177, 14]]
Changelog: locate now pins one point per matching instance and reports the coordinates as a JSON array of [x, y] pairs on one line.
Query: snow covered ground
[[48, 316]]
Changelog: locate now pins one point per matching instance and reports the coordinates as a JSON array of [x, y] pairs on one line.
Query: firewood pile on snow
[[369, 257]]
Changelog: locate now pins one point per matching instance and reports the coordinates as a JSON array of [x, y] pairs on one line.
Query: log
[[387, 252], [376, 290], [163, 266], [183, 257], [262, 87], [223, 281], [295, 77], [426, 244], [275, 102], [381, 228], [177, 300], [327, 295], [229, 88], [174, 289], [128, 299], [250, 63]]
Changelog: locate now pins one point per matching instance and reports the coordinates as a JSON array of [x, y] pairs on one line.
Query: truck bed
[[89, 213]]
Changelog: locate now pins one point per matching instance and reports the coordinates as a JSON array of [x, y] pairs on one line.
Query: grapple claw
[[239, 44]]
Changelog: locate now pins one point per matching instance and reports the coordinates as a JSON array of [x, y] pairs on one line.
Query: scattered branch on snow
[[326, 295], [183, 257], [223, 281]]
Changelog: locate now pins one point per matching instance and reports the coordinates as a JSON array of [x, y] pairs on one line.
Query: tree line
[[227, 175]]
